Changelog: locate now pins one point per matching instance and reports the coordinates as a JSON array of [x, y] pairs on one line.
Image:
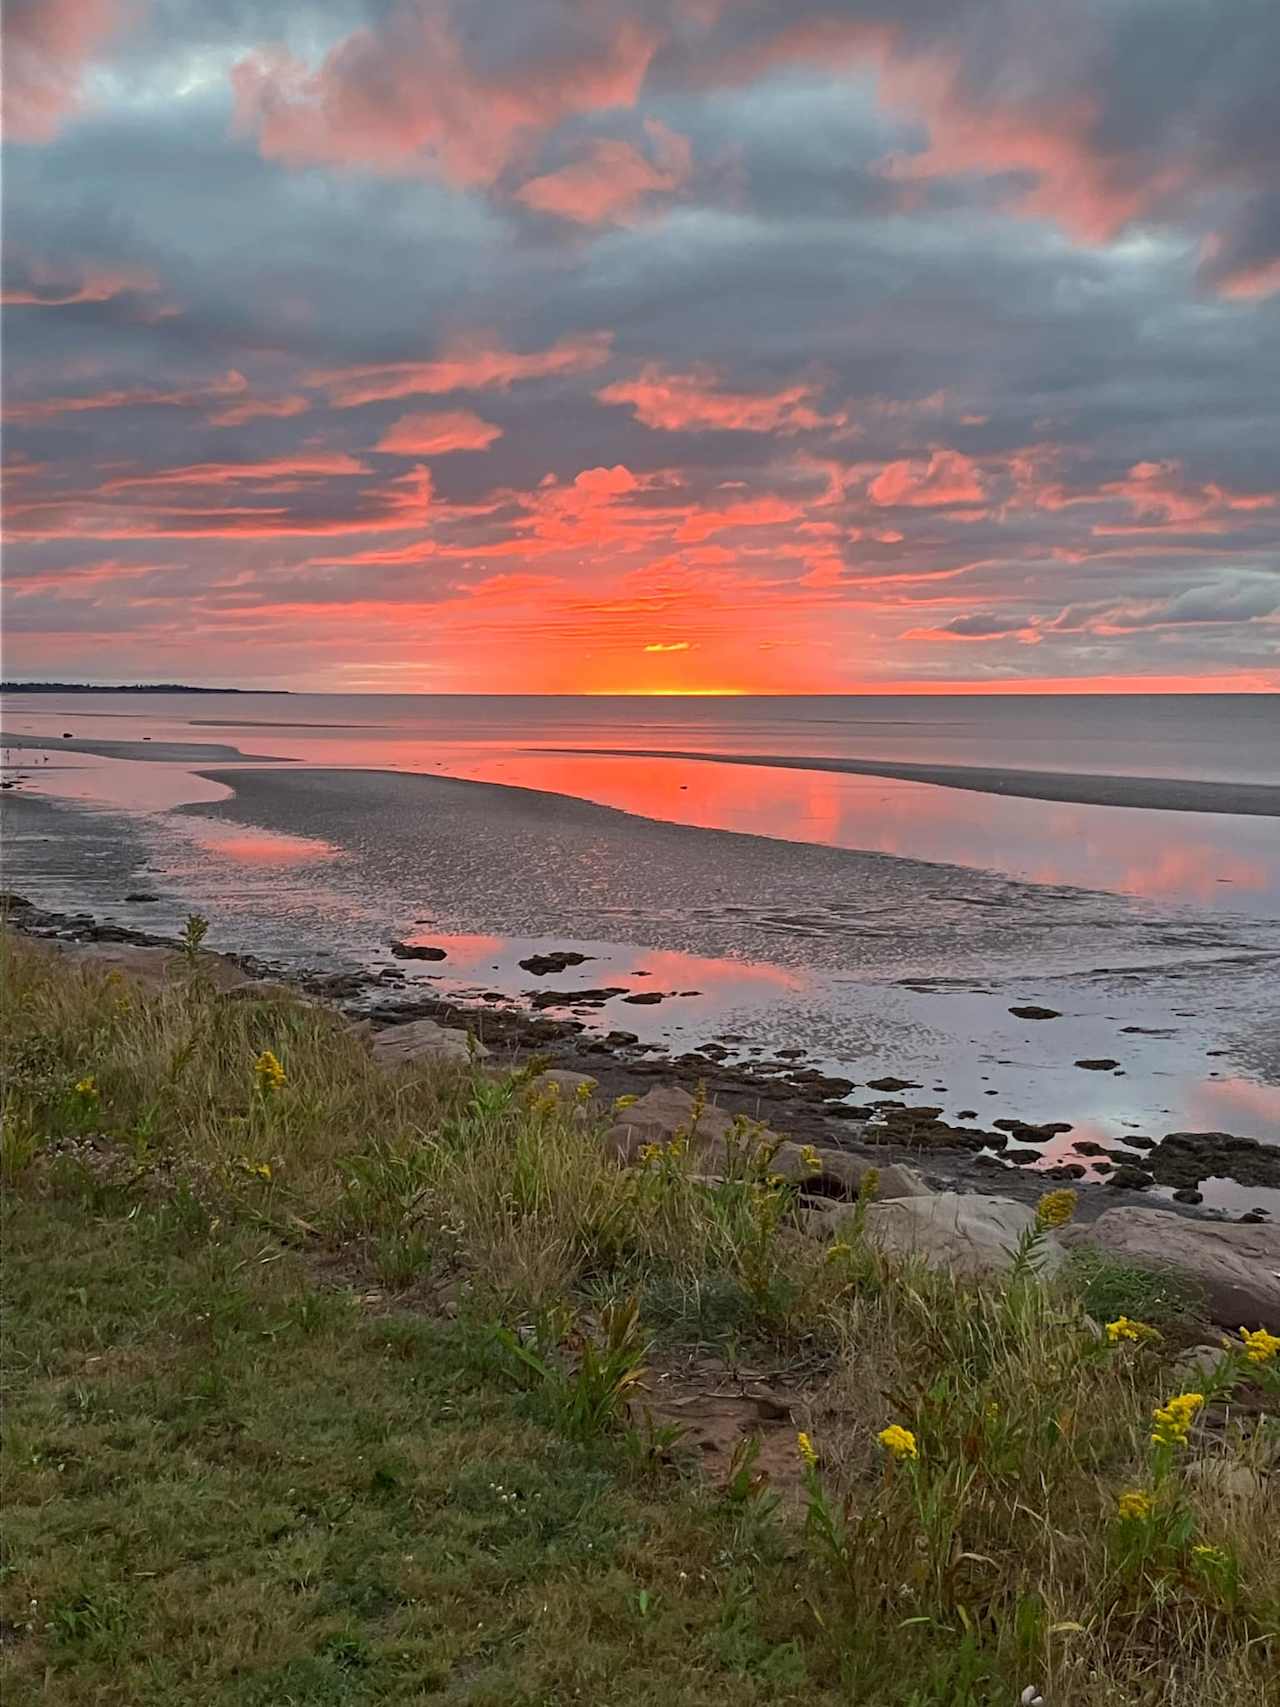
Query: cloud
[[468, 366], [231, 384], [695, 402], [436, 433], [668, 646], [414, 96], [947, 478], [611, 181], [47, 46], [39, 285]]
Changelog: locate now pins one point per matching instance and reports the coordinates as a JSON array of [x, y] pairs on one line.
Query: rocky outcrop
[[423, 1042], [964, 1233], [1235, 1266], [668, 1112]]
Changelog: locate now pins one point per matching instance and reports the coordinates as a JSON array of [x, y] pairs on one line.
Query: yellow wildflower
[[259, 1170], [1210, 1556], [583, 1091], [87, 1087], [1173, 1421], [648, 1153], [268, 1072], [806, 1450], [619, 1103], [898, 1440], [809, 1156], [1134, 1505], [1056, 1208], [1261, 1347], [1125, 1328], [838, 1250]]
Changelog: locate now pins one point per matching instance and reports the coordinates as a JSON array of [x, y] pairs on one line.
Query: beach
[[752, 960]]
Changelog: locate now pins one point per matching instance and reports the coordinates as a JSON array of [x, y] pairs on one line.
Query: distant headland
[[124, 687]]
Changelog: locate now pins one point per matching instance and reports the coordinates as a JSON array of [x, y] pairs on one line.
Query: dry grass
[[994, 1559]]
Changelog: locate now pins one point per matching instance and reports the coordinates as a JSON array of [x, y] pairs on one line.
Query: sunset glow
[[806, 348]]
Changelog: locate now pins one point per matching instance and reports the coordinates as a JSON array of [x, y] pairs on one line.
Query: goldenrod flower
[[898, 1440], [1056, 1208], [583, 1091], [1173, 1421], [1124, 1328], [268, 1072], [806, 1450], [89, 1088], [1134, 1505], [1210, 1556], [838, 1250], [809, 1156], [619, 1103], [1260, 1346]]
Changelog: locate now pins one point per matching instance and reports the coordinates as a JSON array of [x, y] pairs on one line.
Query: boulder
[[422, 1041], [565, 1084], [966, 1233], [667, 1110], [1236, 1266]]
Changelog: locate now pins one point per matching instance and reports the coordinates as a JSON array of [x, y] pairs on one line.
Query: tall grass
[[1033, 1537]]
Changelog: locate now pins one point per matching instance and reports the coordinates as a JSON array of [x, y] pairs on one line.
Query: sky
[[643, 345]]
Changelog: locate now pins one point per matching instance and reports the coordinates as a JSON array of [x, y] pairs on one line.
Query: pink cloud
[[277, 408], [231, 384], [612, 180], [48, 44], [407, 97], [436, 433], [947, 478], [694, 402], [309, 464], [45, 287], [1257, 280], [468, 366]]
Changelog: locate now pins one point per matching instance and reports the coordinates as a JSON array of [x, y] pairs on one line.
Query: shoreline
[[804, 1105], [1167, 794]]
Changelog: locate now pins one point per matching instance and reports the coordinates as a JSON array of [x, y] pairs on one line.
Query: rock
[[1232, 1482], [572, 998], [1087, 1147], [1188, 1194], [1128, 1178], [1185, 1158], [892, 1084], [966, 1233], [644, 998], [1103, 1064], [620, 1039], [558, 961], [1194, 1364], [422, 1041], [141, 895], [417, 951], [264, 990], [1020, 1158], [1237, 1267], [666, 1111], [1033, 1012], [565, 1083], [11, 903]]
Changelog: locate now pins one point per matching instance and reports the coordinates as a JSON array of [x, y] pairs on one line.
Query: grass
[[333, 1390]]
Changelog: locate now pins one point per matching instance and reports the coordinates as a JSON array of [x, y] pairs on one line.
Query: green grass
[[319, 1394]]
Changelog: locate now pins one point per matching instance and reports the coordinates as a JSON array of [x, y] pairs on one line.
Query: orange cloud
[[406, 98], [947, 478], [277, 408], [436, 433], [694, 402], [310, 464], [232, 384], [473, 366], [612, 180], [667, 646]]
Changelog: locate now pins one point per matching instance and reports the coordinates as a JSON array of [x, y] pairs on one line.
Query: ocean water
[[885, 926]]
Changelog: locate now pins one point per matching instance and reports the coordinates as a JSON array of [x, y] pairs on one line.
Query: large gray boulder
[[1235, 1264], [423, 1042], [667, 1112], [964, 1232]]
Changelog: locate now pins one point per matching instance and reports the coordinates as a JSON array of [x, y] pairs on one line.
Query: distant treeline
[[134, 687]]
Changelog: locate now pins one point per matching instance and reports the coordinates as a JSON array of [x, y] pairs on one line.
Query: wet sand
[[1173, 794]]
